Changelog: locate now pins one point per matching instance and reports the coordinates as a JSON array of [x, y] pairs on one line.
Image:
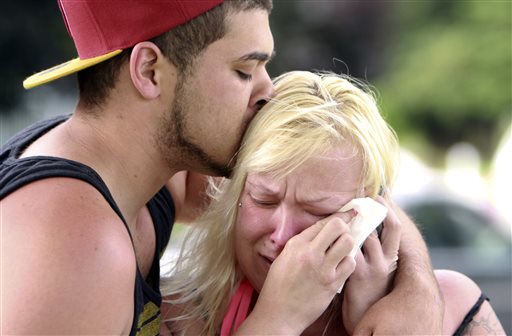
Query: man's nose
[[263, 90]]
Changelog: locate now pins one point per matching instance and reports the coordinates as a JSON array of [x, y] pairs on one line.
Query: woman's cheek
[[254, 223]]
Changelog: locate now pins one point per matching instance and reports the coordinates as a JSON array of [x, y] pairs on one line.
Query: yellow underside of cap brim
[[65, 69]]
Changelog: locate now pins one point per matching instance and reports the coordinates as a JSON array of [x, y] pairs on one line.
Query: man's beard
[[172, 134]]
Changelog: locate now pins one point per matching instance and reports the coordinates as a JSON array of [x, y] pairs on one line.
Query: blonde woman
[[320, 143]]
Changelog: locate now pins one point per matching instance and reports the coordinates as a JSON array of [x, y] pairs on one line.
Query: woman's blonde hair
[[310, 113]]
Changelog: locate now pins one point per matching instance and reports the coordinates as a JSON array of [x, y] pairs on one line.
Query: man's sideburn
[[172, 134]]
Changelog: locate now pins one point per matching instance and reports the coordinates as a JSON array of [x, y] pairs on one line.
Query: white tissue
[[370, 214]]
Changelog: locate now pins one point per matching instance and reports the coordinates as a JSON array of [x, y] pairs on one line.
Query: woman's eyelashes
[[269, 203], [266, 203], [319, 211], [317, 214]]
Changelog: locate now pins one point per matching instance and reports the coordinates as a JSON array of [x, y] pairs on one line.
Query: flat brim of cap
[[65, 69]]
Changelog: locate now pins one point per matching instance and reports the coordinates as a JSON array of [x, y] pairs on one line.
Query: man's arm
[[188, 190], [67, 268], [415, 291]]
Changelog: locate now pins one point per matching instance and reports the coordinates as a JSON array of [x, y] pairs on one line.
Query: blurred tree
[[449, 72], [32, 38]]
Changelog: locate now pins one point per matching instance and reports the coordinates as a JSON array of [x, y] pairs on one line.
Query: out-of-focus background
[[443, 74]]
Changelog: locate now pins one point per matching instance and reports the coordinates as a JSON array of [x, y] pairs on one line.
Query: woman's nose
[[284, 228]]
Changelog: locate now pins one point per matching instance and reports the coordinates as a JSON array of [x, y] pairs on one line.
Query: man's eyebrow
[[257, 56]]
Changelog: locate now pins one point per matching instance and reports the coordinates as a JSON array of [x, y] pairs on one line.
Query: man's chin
[[222, 170]]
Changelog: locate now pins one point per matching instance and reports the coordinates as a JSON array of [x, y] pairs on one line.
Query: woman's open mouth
[[268, 259]]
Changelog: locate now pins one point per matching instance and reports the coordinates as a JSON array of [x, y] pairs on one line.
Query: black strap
[[469, 316]]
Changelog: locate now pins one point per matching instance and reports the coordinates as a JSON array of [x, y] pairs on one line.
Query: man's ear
[[144, 71]]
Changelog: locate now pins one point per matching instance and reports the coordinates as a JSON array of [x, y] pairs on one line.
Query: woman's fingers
[[339, 249], [326, 245], [312, 232], [373, 249], [345, 268], [334, 226], [391, 231]]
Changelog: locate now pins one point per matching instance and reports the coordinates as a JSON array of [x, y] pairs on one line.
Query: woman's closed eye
[[266, 203], [319, 212], [320, 215]]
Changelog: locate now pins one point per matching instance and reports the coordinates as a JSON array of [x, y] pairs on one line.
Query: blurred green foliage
[[32, 38], [449, 74]]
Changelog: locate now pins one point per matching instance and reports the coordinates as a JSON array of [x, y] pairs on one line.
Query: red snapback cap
[[101, 29]]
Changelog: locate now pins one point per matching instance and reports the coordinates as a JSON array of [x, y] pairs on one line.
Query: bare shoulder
[[461, 294], [68, 264], [485, 322]]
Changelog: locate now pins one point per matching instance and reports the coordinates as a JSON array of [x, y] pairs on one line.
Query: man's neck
[[121, 149], [118, 147]]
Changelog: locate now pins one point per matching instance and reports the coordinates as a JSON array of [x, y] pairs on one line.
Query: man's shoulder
[[33, 131], [68, 250], [63, 210]]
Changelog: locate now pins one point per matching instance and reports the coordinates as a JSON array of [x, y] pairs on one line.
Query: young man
[[165, 86], [165, 104]]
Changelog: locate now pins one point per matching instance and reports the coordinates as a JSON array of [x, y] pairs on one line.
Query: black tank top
[[15, 173]]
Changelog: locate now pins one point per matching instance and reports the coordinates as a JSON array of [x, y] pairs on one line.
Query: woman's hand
[[373, 276], [304, 279]]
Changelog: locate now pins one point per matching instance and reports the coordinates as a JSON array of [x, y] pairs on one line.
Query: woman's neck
[[328, 324]]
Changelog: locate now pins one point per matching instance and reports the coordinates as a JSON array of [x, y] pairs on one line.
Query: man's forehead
[[250, 30]]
